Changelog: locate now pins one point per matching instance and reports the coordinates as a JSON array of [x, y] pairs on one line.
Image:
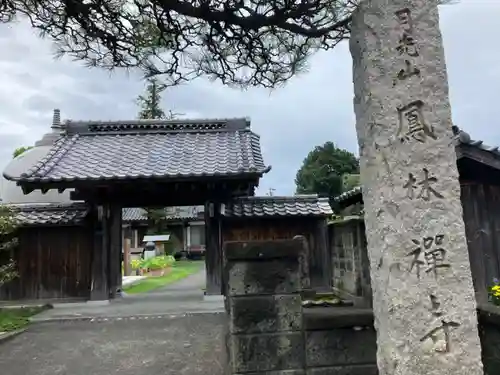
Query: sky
[[313, 108]]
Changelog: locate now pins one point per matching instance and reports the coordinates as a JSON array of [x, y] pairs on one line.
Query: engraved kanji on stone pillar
[[423, 297]]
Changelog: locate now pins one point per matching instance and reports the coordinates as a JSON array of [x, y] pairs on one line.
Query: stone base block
[[265, 313], [344, 370], [340, 347], [266, 352]]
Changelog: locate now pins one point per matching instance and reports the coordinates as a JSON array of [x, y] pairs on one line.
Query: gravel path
[[180, 345]]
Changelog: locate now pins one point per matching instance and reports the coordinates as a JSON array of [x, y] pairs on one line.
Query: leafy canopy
[[150, 101], [21, 150], [239, 42], [150, 108], [8, 243], [323, 170]]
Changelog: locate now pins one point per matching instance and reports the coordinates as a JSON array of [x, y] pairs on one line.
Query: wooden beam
[[488, 158], [99, 280], [115, 249], [126, 256], [150, 195], [160, 189], [213, 256]]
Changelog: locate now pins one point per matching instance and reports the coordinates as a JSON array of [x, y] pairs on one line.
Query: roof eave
[[319, 216], [44, 225], [70, 182], [479, 155]]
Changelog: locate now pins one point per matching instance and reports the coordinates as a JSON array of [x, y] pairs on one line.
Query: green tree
[[21, 150], [150, 101], [156, 220], [350, 181], [237, 42], [323, 169], [8, 243], [150, 108]]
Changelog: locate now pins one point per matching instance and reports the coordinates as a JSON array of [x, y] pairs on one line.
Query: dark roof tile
[[50, 213], [348, 194], [299, 205], [139, 214], [150, 149], [134, 214], [463, 138]]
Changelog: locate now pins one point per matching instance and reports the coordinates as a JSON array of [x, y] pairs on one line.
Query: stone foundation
[[270, 333], [265, 329]]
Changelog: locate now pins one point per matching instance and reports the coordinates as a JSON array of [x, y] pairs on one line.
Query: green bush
[[135, 264], [157, 263], [494, 292]]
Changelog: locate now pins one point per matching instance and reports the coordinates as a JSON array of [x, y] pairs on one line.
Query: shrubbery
[[494, 292], [8, 243], [156, 263]]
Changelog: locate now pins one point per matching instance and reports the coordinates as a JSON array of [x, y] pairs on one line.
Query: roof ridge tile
[[156, 125], [44, 165]]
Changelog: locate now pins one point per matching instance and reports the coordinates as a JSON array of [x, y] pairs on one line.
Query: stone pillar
[[265, 334], [423, 297]]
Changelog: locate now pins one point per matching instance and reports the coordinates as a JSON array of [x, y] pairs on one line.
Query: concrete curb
[[80, 304], [213, 298], [132, 282], [6, 336], [97, 319]]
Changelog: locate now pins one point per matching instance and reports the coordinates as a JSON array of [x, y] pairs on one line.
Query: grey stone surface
[[345, 370], [6, 336], [266, 314], [267, 352], [264, 334], [424, 303], [274, 276], [182, 345], [340, 347]]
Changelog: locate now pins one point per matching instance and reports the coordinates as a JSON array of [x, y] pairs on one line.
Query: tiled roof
[[134, 214], [50, 213], [299, 205], [348, 194], [150, 149], [462, 138], [139, 214]]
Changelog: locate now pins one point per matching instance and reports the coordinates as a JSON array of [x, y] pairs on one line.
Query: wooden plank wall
[[349, 258], [261, 229], [481, 205], [53, 263]]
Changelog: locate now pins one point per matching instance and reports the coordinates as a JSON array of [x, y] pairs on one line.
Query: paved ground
[[185, 345], [183, 296], [168, 331]]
